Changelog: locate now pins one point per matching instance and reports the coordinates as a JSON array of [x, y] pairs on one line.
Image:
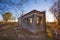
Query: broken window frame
[[38, 20]]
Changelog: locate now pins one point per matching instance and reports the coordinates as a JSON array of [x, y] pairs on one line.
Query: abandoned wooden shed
[[33, 21]]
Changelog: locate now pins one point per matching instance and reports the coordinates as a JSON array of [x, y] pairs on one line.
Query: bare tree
[[55, 9]]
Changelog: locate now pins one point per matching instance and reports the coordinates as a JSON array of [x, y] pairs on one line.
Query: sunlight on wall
[[30, 20]]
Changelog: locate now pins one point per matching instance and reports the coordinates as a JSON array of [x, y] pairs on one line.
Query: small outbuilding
[[33, 21]]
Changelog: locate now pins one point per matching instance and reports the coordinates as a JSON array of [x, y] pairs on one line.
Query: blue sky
[[39, 5]]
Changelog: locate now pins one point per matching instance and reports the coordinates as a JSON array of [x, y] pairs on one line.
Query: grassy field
[[11, 31], [20, 34], [4, 25], [53, 30]]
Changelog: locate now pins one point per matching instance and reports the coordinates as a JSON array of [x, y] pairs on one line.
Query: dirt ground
[[17, 33], [13, 32]]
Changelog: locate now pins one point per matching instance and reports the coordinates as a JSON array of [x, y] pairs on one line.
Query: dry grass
[[8, 25], [11, 29], [53, 30], [19, 34]]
